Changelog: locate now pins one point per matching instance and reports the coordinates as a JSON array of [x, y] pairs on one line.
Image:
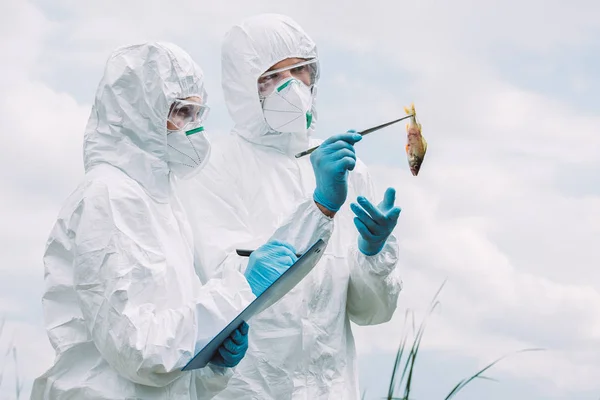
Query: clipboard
[[286, 282]]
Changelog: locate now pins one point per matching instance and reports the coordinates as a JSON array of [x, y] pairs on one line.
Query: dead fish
[[416, 146]]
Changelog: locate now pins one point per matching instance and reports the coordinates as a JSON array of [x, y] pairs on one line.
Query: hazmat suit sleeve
[[135, 310], [304, 226], [374, 280], [233, 225]]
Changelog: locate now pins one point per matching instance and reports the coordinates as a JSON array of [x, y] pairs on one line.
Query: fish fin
[[410, 110]]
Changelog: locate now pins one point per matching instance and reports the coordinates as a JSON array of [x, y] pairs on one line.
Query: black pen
[[246, 253]]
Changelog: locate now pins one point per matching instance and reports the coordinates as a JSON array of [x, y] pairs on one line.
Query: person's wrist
[[368, 248], [327, 212], [324, 205]]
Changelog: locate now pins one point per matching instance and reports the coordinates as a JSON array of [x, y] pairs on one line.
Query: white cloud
[[22, 28]]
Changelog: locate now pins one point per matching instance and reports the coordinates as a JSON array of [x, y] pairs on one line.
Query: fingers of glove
[[236, 337], [258, 254], [280, 259], [287, 251], [233, 348], [388, 199], [232, 359], [373, 211], [365, 218], [244, 328], [277, 246], [336, 146], [364, 232], [239, 337], [393, 214], [339, 155], [228, 358], [345, 164], [341, 161], [349, 137], [273, 256], [282, 263]]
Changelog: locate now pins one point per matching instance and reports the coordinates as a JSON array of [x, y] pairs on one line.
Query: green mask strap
[[191, 132], [309, 117]]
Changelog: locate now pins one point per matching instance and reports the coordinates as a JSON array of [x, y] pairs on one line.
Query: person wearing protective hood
[[123, 306], [254, 190]]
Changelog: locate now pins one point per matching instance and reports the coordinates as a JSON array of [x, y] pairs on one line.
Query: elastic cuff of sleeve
[[305, 226], [381, 263], [324, 224]]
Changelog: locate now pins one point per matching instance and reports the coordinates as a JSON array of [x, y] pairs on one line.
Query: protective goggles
[[187, 115], [305, 71]]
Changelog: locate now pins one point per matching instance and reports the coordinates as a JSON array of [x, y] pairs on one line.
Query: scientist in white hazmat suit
[[123, 307], [254, 190]]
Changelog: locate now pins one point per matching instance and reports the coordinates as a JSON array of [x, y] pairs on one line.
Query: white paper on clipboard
[[286, 282]]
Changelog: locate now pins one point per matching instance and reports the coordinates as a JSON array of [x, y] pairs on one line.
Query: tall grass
[[12, 349], [404, 367]]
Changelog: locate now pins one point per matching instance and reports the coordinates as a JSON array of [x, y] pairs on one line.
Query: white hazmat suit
[[253, 190], [123, 306]]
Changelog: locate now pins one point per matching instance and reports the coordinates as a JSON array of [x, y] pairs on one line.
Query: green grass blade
[[417, 345], [6, 355], [487, 378], [465, 382], [18, 385], [399, 353], [407, 363], [412, 357]]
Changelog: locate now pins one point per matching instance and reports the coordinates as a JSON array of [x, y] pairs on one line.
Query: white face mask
[[188, 152], [288, 108]]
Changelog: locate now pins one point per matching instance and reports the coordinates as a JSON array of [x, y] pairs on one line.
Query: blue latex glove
[[331, 163], [233, 349], [267, 263], [375, 224]]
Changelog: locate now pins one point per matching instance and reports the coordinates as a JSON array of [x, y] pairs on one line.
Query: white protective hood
[[248, 50], [128, 125]]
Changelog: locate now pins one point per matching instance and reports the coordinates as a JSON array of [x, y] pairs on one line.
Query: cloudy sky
[[506, 208]]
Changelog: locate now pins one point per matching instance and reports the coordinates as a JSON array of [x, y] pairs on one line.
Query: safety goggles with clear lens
[[305, 71], [187, 115]]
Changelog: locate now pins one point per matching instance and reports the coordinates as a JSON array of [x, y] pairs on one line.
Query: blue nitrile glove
[[233, 349], [267, 263], [375, 224], [331, 163]]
